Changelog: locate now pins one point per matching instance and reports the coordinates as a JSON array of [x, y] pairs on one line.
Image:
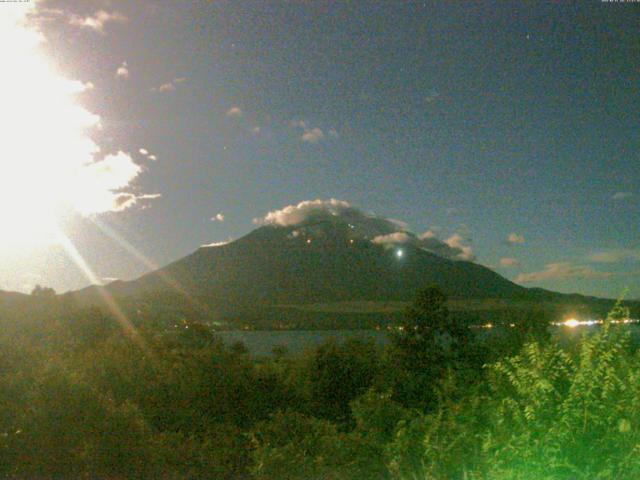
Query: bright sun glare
[[47, 158]]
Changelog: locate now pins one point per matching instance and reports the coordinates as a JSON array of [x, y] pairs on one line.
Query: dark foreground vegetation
[[83, 394]]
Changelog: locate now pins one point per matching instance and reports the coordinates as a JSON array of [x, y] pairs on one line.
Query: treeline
[[86, 394]]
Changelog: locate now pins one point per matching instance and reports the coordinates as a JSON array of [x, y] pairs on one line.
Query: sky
[[141, 130]]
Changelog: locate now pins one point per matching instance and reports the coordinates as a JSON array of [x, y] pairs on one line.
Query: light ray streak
[[150, 264], [106, 297]]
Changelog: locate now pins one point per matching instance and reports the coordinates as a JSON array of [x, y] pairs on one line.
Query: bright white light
[[399, 253], [48, 163], [571, 323]]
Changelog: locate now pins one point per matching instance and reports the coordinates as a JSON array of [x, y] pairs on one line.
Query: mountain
[[8, 299], [327, 267], [321, 262]]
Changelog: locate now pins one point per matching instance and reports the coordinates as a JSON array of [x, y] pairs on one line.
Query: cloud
[[66, 169], [313, 135], [456, 244], [432, 96], [509, 262], [165, 87], [123, 71], [561, 271], [622, 195], [234, 112], [515, 239], [310, 134], [452, 248], [123, 201], [309, 210], [98, 21], [219, 217], [169, 86], [100, 184], [379, 230], [215, 244], [615, 256], [145, 153], [396, 238]]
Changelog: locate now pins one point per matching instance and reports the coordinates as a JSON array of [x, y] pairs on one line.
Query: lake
[[261, 342]]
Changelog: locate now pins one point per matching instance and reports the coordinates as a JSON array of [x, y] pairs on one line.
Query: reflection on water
[[261, 343]]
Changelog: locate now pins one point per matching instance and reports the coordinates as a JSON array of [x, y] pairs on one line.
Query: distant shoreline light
[[573, 322]]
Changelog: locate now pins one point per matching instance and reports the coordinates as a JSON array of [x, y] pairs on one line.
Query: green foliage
[[427, 345], [293, 446], [80, 398], [338, 373], [572, 416]]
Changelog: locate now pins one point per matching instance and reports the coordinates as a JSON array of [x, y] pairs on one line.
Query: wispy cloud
[[219, 217], [313, 135], [169, 86], [509, 262], [123, 71], [123, 201], [98, 21], [622, 195], [515, 239], [165, 87], [234, 112], [432, 96], [147, 154], [615, 256], [216, 244], [561, 271], [456, 242]]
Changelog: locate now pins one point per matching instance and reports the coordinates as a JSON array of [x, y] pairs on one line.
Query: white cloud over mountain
[[380, 230]]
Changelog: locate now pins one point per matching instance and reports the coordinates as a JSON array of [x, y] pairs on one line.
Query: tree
[[43, 292], [338, 373], [292, 446], [427, 343]]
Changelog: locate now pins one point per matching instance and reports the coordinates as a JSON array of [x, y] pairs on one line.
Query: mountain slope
[[322, 262]]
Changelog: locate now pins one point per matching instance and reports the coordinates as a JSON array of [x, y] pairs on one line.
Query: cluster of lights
[[573, 322]]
